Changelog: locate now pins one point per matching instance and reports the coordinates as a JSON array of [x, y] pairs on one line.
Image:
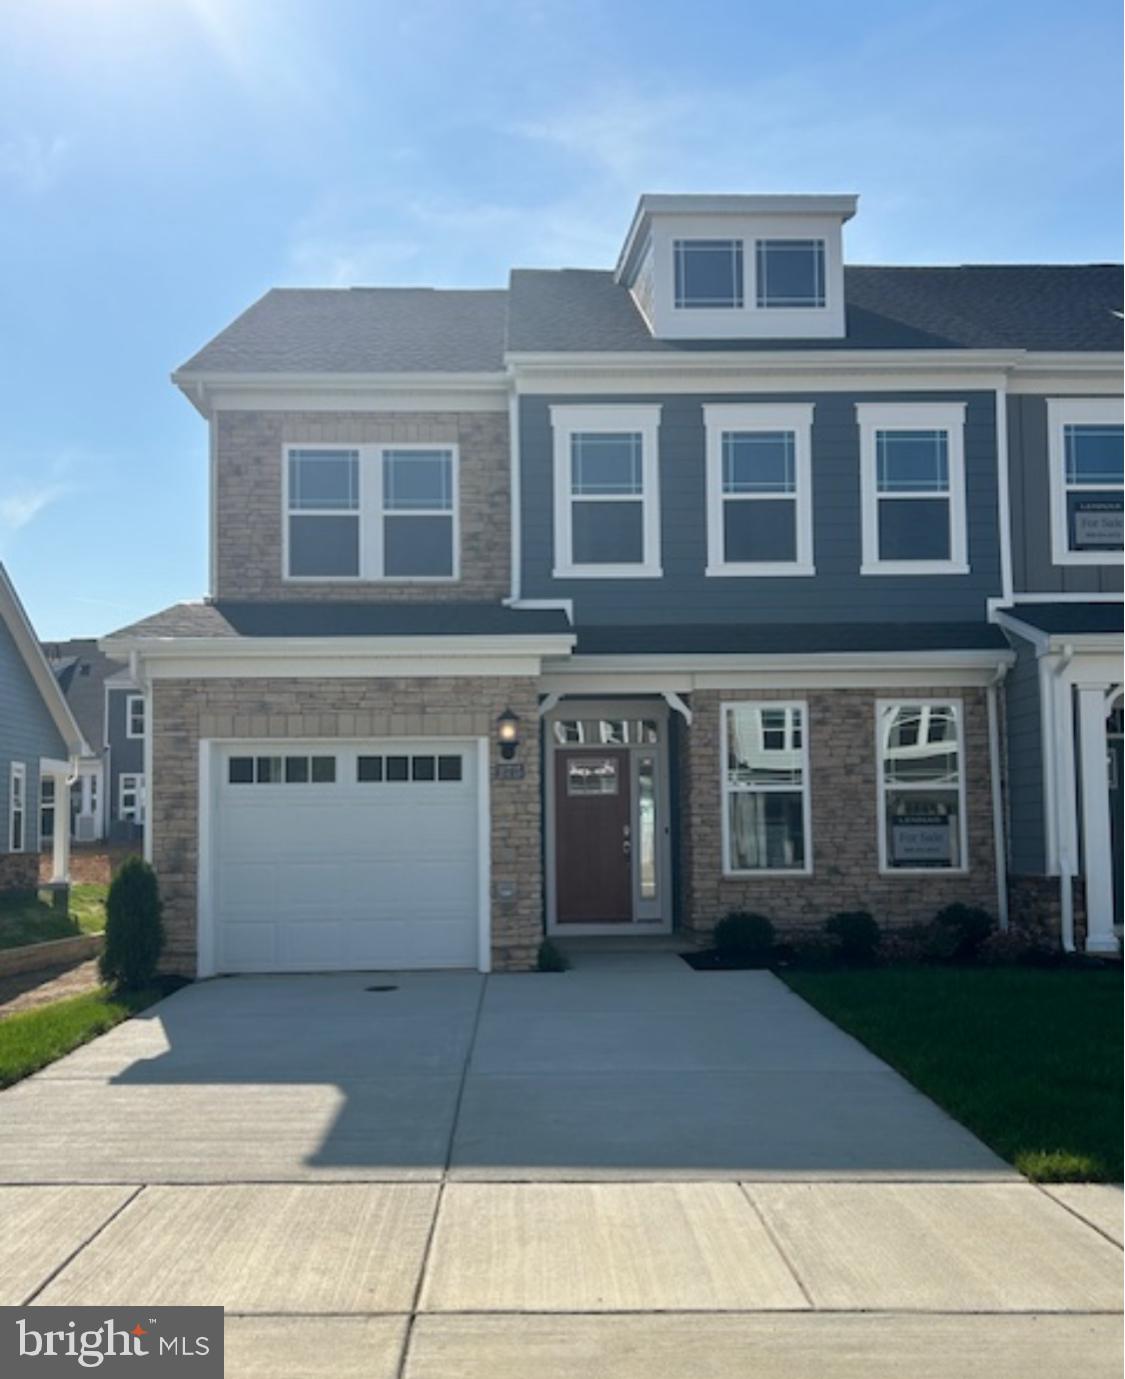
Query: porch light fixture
[[508, 733]]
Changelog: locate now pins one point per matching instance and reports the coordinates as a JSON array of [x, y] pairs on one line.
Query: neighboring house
[[40, 747], [108, 799], [621, 600]]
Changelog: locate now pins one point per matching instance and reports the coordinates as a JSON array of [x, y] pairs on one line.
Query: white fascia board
[[1052, 643], [211, 392], [14, 615], [340, 657], [620, 674]]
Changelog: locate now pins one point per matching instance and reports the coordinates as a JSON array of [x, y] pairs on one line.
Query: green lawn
[[25, 919], [34, 1038], [1029, 1059]]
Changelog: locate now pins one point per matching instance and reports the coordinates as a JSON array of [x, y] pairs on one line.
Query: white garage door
[[356, 856]]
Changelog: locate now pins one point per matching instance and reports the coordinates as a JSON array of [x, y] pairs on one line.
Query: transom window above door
[[371, 512], [912, 466], [607, 517], [759, 489]]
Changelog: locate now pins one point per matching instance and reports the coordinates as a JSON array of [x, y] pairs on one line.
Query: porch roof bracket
[[673, 700], [548, 702]]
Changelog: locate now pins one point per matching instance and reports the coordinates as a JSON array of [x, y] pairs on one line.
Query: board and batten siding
[[27, 732], [836, 593], [1033, 571], [1024, 747]]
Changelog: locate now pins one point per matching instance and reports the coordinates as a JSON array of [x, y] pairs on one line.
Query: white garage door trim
[[209, 750]]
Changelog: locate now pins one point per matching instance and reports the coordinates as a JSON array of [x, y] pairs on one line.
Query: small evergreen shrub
[[958, 932], [134, 934], [745, 940], [858, 935], [551, 958], [814, 948]]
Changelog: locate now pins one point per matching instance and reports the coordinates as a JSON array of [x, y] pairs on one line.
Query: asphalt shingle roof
[[361, 330], [1058, 619], [1033, 307], [771, 639], [300, 618]]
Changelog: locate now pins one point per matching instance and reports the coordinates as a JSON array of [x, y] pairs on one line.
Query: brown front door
[[593, 810]]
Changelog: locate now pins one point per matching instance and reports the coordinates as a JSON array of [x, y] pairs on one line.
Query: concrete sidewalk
[[628, 1169]]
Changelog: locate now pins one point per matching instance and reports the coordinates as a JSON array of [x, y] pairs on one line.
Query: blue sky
[[163, 162]]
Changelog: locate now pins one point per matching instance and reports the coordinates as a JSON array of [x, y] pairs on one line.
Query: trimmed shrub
[[745, 940], [958, 932], [551, 958], [134, 934], [1019, 947], [813, 949], [905, 945], [857, 932]]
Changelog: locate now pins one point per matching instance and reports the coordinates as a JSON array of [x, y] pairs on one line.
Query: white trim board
[[1074, 411]]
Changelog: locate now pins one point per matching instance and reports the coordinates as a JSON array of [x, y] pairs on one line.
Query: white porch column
[[60, 841], [1097, 849]]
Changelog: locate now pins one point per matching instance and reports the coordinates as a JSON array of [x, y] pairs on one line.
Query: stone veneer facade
[[186, 711], [19, 871], [843, 780], [248, 497]]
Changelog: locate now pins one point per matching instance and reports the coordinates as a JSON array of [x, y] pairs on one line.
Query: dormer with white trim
[[738, 267]]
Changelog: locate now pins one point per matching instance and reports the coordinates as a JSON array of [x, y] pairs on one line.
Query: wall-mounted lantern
[[508, 733]]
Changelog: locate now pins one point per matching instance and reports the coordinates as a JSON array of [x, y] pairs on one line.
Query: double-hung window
[[371, 512], [766, 809], [131, 797], [921, 785], [1085, 456], [759, 489], [134, 715], [912, 465], [17, 807], [607, 504]]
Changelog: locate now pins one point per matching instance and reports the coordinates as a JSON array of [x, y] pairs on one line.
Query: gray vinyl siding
[[27, 732], [836, 593], [1030, 496], [1026, 841], [125, 754]]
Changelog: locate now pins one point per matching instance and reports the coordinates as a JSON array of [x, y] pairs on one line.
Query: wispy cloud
[[22, 507], [33, 162]]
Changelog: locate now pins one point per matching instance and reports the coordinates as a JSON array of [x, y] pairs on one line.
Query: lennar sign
[[137, 1342]]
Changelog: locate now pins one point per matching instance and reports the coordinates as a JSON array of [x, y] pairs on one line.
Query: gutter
[[1064, 746], [999, 831]]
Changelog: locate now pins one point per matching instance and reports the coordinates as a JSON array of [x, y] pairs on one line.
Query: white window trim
[[901, 701], [565, 421], [796, 417], [17, 771], [949, 417], [131, 782], [1074, 411], [130, 700], [725, 790], [370, 513]]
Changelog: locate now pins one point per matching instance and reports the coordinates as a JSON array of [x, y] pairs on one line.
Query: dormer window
[[790, 273], [708, 273]]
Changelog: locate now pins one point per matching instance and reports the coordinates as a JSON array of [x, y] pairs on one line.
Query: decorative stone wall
[[845, 851], [19, 871], [248, 515], [184, 711]]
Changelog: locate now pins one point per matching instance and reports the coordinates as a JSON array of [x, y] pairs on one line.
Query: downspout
[[998, 830], [1003, 495], [515, 578], [1064, 745]]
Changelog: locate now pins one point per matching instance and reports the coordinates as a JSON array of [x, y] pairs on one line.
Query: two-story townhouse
[[107, 800], [603, 605]]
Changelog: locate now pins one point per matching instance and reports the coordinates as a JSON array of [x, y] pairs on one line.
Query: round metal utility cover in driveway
[[330, 856]]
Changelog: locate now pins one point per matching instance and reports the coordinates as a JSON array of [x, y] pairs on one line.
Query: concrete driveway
[[629, 1169]]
